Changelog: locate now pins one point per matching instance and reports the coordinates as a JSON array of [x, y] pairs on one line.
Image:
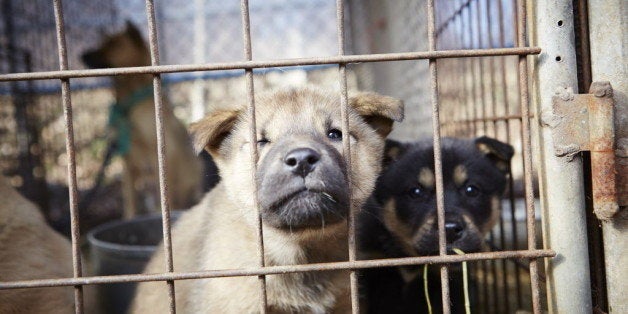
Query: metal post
[[560, 179], [607, 26]]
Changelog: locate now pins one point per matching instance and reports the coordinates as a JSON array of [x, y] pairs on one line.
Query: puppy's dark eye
[[471, 190], [263, 141], [334, 134], [416, 192]]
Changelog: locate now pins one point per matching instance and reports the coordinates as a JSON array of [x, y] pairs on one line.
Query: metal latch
[[585, 122]]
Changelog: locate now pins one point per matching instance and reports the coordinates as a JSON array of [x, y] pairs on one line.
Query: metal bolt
[[601, 89]]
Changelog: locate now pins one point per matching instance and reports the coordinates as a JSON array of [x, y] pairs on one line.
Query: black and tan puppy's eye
[[334, 134], [471, 190], [417, 192]]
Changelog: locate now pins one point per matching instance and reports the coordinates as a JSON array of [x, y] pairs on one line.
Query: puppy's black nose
[[302, 161], [454, 230]]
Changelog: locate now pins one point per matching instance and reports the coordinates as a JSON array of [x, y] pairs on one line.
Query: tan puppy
[[133, 118], [30, 249], [303, 194]]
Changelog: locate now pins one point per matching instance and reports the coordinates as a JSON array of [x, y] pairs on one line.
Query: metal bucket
[[123, 247]]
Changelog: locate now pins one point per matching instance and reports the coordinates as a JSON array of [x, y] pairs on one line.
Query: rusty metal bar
[[504, 89], [474, 99], [504, 293], [465, 73], [511, 192], [276, 270], [248, 56], [602, 147], [239, 65], [69, 146], [161, 150], [346, 148], [527, 154], [491, 66], [478, 24], [438, 165], [506, 118]]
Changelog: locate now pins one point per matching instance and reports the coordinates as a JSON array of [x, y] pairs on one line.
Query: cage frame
[[522, 50]]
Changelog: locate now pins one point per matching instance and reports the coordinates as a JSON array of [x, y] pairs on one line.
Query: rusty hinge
[[585, 122]]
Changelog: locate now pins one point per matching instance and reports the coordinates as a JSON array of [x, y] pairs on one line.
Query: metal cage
[[478, 82]]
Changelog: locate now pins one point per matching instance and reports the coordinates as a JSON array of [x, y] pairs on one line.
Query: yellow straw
[[427, 293], [465, 282]]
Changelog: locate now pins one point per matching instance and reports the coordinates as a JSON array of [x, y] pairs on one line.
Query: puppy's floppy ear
[[378, 110], [498, 152], [134, 33], [392, 151], [210, 132]]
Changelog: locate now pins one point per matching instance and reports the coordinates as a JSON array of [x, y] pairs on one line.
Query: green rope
[[119, 117]]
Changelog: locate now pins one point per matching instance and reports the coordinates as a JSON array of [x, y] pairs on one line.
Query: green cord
[[119, 117]]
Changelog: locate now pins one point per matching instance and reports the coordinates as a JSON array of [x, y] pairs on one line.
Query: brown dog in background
[[133, 118], [303, 192], [30, 249]]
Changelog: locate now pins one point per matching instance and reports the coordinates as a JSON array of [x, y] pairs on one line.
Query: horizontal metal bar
[[419, 55], [486, 119], [272, 270]]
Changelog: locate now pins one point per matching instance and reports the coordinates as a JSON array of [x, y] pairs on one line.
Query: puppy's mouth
[[305, 209]]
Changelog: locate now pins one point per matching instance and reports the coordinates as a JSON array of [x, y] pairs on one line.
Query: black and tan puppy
[[303, 195], [400, 220]]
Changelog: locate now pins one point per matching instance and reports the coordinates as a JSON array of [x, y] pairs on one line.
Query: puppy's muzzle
[[302, 184], [302, 161]]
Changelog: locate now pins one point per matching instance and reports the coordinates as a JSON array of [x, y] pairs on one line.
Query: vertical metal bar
[[487, 296], [527, 154], [69, 146], [503, 292], [504, 88], [250, 89], [465, 70], [161, 150], [607, 25], [344, 112], [511, 192], [482, 86], [463, 26], [438, 166], [563, 200], [474, 99], [460, 71]]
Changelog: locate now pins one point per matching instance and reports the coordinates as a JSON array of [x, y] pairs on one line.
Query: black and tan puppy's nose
[[454, 230], [302, 161]]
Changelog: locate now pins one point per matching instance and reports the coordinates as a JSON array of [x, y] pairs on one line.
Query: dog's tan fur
[[30, 249], [140, 182], [219, 233]]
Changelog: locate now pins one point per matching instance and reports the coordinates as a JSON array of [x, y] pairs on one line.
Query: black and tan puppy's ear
[[392, 151], [498, 152], [134, 33], [209, 132], [378, 110]]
